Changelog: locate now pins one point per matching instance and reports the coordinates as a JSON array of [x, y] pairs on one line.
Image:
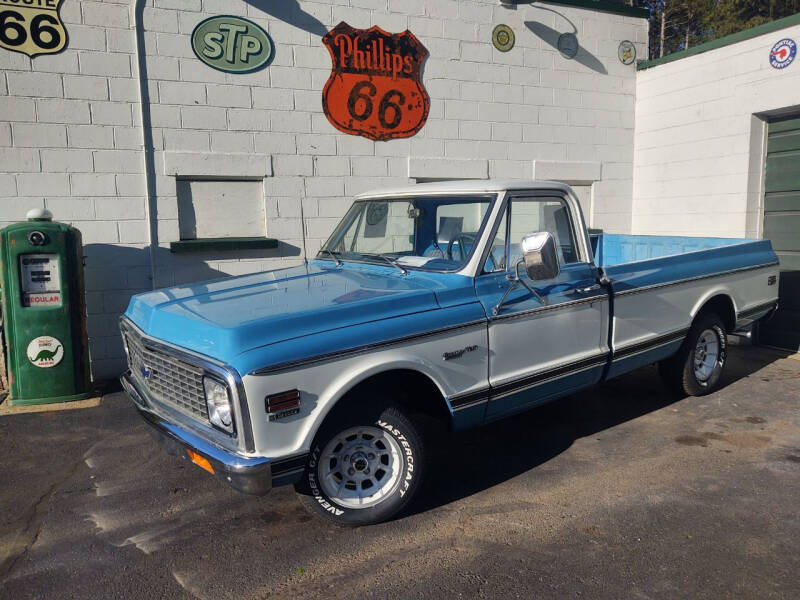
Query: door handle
[[587, 289]]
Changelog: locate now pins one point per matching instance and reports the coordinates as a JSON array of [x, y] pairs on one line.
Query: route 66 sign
[[32, 27], [374, 89]]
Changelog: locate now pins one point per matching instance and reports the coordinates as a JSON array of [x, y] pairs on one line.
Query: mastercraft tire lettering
[[363, 471]]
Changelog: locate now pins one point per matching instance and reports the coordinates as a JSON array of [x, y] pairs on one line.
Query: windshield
[[433, 232]]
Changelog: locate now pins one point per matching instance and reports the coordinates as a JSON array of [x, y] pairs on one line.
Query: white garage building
[[155, 154]]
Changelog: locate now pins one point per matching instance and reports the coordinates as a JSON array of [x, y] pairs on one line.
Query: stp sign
[[374, 89], [783, 53]]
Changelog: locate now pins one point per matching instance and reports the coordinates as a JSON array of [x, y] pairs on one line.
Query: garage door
[[782, 227]]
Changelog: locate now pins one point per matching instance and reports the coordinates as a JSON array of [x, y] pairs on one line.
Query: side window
[[531, 215]]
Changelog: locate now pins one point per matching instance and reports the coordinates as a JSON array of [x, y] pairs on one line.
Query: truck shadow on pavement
[[470, 462]]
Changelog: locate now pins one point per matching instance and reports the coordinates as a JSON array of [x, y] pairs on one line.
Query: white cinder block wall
[[71, 127], [700, 138]]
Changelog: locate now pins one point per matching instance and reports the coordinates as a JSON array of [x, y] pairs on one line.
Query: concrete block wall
[[71, 130], [700, 138]]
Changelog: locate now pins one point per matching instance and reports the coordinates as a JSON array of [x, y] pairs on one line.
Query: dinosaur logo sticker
[[45, 352]]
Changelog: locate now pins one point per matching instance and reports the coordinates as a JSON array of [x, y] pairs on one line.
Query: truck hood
[[227, 317]]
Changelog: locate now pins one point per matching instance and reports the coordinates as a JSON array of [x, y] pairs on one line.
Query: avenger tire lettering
[[349, 452]]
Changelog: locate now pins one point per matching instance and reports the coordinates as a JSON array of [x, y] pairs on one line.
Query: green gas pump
[[44, 311]]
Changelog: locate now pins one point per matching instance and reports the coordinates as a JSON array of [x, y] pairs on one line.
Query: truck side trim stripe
[[647, 288], [569, 304], [530, 381], [362, 349], [757, 309], [661, 340]]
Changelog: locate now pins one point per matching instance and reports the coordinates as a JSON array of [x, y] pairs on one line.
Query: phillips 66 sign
[[374, 89], [32, 27]]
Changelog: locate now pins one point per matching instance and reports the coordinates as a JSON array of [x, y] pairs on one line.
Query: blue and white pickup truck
[[463, 302]]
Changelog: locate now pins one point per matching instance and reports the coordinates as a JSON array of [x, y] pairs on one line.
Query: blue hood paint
[[227, 317]]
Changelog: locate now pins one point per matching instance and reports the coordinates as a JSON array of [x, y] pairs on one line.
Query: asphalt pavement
[[622, 491]]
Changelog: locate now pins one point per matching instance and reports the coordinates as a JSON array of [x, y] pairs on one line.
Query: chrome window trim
[[214, 367]]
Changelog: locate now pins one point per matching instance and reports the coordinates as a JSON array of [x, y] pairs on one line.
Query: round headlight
[[219, 404]]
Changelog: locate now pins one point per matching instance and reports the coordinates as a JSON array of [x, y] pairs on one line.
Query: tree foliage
[[679, 24]]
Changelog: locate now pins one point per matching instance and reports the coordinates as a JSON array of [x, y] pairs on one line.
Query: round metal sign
[[783, 53], [45, 352], [232, 44], [503, 38], [626, 52], [568, 45]]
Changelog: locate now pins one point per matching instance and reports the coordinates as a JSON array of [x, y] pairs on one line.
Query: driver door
[[541, 351]]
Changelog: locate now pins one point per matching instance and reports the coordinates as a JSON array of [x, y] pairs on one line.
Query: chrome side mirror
[[540, 256]]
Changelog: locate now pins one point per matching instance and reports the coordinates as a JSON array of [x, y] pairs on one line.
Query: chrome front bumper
[[250, 475]]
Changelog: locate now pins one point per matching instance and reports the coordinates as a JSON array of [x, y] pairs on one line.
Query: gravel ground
[[620, 491]]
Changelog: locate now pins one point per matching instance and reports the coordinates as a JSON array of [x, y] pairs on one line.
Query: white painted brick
[[63, 62], [90, 136], [291, 122], [105, 63], [133, 232], [43, 184], [290, 78], [70, 209], [92, 184], [275, 99], [127, 138], [178, 92], [117, 161], [293, 165], [232, 141], [157, 19], [462, 110], [186, 139], [444, 168], [14, 160], [98, 232], [85, 87], [38, 85], [105, 14], [67, 161], [229, 95], [110, 113], [131, 185], [121, 41], [248, 119], [274, 143], [113, 208], [17, 109], [38, 135], [331, 165], [83, 37], [5, 134], [123, 90], [316, 144], [203, 117], [184, 164], [172, 44], [62, 111]]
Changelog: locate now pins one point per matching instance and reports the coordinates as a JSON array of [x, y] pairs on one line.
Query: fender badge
[[458, 353]]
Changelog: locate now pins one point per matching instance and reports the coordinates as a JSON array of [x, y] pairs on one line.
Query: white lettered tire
[[364, 470]]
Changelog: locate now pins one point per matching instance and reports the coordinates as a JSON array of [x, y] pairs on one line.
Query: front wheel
[[363, 471], [697, 367]]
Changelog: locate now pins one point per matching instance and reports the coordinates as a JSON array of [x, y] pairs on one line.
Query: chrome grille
[[169, 380]]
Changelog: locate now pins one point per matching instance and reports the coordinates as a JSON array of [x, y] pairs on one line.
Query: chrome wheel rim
[[360, 467], [706, 355]]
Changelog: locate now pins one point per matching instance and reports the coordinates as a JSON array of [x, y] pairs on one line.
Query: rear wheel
[[363, 470], [697, 367]]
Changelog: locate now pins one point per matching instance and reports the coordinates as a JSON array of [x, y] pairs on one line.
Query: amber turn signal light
[[200, 461]]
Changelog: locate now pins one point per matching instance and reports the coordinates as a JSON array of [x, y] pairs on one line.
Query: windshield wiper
[[334, 256], [387, 259]]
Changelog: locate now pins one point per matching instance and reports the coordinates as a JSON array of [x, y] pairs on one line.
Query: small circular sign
[[503, 38], [783, 53], [45, 352], [376, 212], [232, 44], [568, 45], [626, 52]]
